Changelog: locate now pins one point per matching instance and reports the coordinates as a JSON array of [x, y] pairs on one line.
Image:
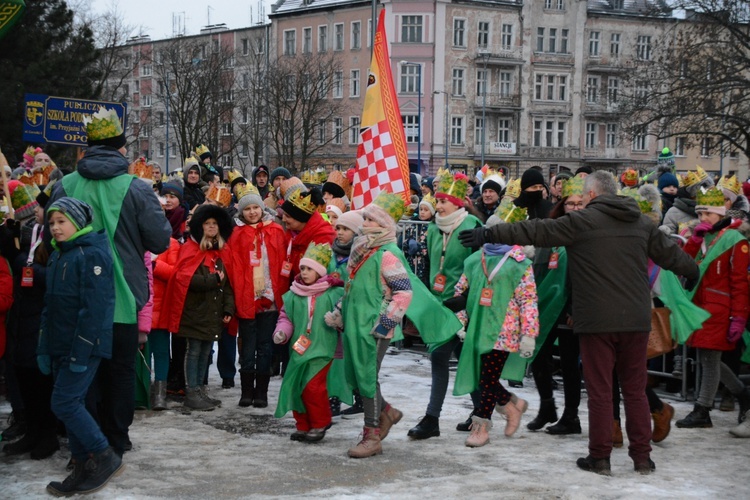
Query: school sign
[[59, 120]]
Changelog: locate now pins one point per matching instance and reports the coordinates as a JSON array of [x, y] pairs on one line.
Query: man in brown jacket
[[608, 245]]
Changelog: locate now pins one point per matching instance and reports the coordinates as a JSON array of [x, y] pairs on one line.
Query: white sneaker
[[743, 429]]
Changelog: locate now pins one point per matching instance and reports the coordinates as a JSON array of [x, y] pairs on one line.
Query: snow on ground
[[237, 452]]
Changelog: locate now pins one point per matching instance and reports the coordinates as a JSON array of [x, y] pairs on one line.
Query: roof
[[293, 6], [631, 7]]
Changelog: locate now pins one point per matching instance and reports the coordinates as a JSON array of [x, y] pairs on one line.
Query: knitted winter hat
[[174, 189], [23, 199], [337, 206], [531, 177], [352, 220], [495, 183], [77, 211], [667, 179], [710, 200], [279, 171], [103, 128], [317, 258], [248, 195], [585, 170]]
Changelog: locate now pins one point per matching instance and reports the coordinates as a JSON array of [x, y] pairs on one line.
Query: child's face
[[670, 190], [370, 223], [333, 217], [344, 235], [211, 228], [327, 197], [445, 207], [39, 214], [252, 214], [424, 213], [307, 275], [60, 227], [709, 217], [172, 201]]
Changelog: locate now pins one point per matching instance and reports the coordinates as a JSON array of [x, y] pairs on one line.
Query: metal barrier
[[412, 239]]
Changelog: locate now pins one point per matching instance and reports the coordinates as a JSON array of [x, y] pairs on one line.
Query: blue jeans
[[257, 343], [440, 358], [225, 360], [197, 354], [69, 404], [158, 341]]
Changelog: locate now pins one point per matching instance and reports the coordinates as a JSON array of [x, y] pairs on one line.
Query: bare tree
[[299, 93], [697, 84]]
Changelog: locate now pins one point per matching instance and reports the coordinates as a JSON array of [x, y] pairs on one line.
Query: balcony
[[600, 106], [497, 102], [501, 57], [608, 65]]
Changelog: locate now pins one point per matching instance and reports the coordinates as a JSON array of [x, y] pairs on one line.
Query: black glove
[[473, 238], [690, 284], [456, 304]]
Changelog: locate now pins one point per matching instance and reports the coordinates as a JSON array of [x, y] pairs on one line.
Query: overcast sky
[[155, 16]]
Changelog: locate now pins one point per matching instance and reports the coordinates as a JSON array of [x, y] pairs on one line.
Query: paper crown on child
[[38, 178], [453, 188], [142, 169], [102, 126], [712, 197], [572, 187], [731, 184], [509, 213], [514, 189], [299, 205], [202, 152], [220, 195], [392, 204], [317, 258], [430, 200], [23, 199], [235, 177], [629, 178], [337, 184], [693, 178], [29, 155], [643, 204], [246, 190]]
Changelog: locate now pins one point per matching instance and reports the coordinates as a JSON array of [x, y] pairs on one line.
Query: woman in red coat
[[722, 255], [257, 250]]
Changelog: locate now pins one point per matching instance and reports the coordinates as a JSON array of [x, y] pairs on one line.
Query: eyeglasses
[[570, 204]]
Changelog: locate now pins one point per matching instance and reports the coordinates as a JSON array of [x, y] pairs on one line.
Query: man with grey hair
[[608, 245]]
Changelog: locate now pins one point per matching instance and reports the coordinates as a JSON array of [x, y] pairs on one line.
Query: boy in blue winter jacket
[[75, 334]]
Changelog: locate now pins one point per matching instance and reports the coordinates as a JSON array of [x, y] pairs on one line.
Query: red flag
[[382, 161]]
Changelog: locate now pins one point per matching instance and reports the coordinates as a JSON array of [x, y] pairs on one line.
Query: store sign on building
[[503, 148]]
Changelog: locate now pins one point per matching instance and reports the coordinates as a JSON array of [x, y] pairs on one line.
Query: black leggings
[[491, 390], [569, 363]]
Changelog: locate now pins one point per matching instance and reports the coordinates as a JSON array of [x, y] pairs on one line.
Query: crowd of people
[[117, 263]]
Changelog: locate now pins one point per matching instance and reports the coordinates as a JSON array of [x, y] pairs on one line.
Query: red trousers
[[602, 353], [315, 399]]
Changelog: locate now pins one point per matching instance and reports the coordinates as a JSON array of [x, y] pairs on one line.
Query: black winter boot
[[335, 404], [247, 380], [260, 398], [547, 415], [696, 419], [744, 400], [99, 469], [465, 426], [358, 407], [568, 424], [68, 487], [428, 427], [24, 445], [16, 426]]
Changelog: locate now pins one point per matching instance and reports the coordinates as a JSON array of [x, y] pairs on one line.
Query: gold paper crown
[[234, 174], [322, 254], [142, 169], [189, 162], [508, 212], [712, 197], [289, 185], [694, 178], [428, 198], [201, 149], [104, 124], [730, 183], [572, 187], [302, 202], [393, 204], [245, 190], [643, 204], [454, 185], [514, 188], [320, 175], [219, 194]]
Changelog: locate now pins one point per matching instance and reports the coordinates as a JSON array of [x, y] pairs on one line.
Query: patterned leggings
[[492, 391]]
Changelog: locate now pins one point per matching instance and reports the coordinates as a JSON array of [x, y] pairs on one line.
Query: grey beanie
[[79, 212]]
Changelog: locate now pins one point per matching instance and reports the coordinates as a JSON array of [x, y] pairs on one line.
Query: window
[[245, 80], [290, 42], [594, 43], [550, 87], [287, 133], [552, 41], [614, 45], [160, 118], [227, 95], [506, 39], [478, 128], [641, 90], [245, 46], [459, 32], [353, 130], [564, 41], [260, 45], [643, 48], [229, 62], [613, 89], [457, 130], [173, 150], [226, 128], [683, 68], [411, 128], [481, 81], [409, 78], [160, 88], [369, 33], [291, 87], [146, 70], [411, 29], [321, 132], [354, 83], [322, 38], [706, 146], [306, 40], [592, 89], [538, 133], [503, 129], [540, 39], [215, 46], [356, 35], [338, 127], [146, 101], [611, 138], [457, 88], [126, 62], [244, 113], [549, 133], [640, 139], [679, 146], [554, 4], [590, 136], [505, 83], [244, 149], [161, 150], [483, 34], [338, 84], [145, 131], [338, 36]]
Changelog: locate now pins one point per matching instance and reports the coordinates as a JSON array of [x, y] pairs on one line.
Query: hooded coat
[[681, 212], [608, 246]]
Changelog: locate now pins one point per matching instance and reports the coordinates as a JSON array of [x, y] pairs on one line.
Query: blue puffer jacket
[[80, 300]]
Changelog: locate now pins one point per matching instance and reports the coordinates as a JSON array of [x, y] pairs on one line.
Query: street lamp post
[[485, 57], [166, 89], [445, 143], [419, 112]]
